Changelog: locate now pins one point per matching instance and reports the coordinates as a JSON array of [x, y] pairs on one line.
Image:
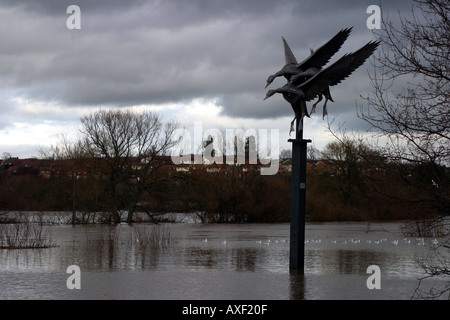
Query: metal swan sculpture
[[314, 62], [299, 93], [299, 72]]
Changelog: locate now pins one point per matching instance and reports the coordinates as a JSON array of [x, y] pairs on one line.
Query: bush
[[24, 235]]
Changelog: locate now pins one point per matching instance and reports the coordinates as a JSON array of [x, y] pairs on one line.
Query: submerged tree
[[129, 147], [71, 173]]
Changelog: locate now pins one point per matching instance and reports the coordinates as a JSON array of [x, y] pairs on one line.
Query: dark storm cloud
[[52, 7], [153, 52]]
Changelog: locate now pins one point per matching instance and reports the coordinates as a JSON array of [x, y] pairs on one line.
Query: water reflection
[[297, 285], [111, 248], [236, 262]]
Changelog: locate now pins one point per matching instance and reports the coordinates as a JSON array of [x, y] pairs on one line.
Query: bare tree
[[151, 149], [351, 158], [70, 158], [6, 155], [286, 154], [410, 104], [410, 108], [129, 145]]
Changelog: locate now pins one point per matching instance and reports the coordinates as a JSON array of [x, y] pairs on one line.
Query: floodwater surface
[[223, 261]]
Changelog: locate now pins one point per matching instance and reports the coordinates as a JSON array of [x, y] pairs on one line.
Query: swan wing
[[337, 72]]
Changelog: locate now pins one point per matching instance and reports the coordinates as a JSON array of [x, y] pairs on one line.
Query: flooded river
[[222, 261]]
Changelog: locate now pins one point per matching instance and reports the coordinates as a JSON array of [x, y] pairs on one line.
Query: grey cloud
[[249, 105], [3, 125], [145, 52], [52, 7], [21, 151]]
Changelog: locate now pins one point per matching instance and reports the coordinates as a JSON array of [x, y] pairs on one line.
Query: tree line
[[127, 172]]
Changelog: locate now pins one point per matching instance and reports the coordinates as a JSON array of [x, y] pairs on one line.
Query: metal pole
[[298, 200]]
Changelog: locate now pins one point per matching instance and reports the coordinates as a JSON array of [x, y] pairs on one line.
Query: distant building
[[83, 168]]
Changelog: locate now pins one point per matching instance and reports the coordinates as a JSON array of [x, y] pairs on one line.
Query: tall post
[[298, 199]]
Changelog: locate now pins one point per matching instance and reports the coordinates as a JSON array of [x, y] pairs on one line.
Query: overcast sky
[[188, 60]]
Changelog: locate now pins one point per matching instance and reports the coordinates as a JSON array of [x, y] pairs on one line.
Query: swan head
[[269, 80], [269, 94]]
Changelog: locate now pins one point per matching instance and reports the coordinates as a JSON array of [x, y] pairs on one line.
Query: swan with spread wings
[[314, 63], [297, 93]]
